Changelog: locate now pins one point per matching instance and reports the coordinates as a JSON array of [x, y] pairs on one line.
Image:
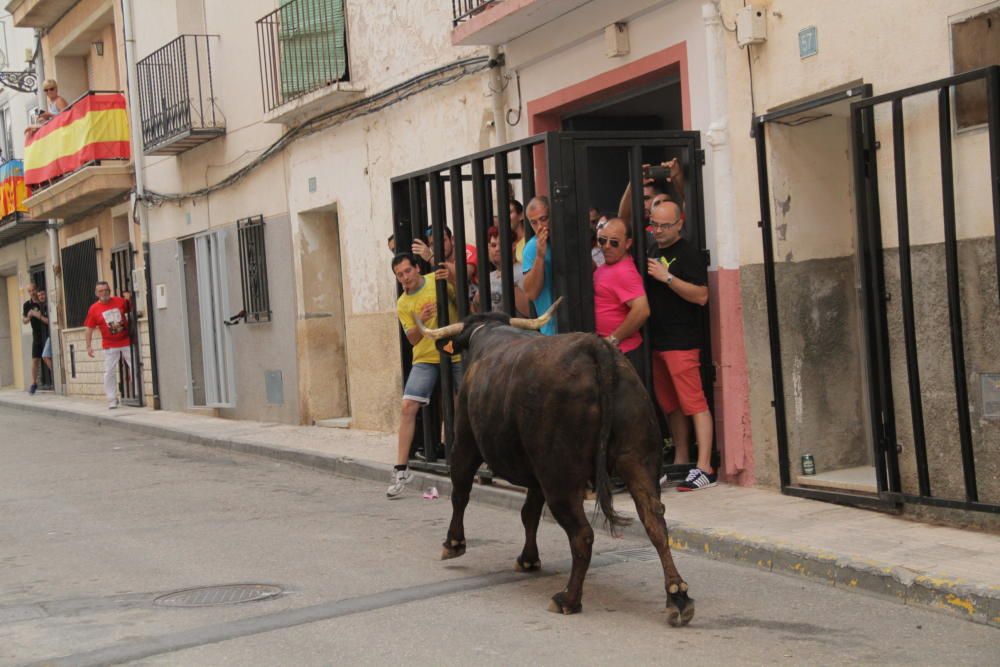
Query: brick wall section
[[89, 380]]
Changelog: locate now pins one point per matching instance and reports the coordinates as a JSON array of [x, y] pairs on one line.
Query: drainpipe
[[496, 95], [717, 137], [53, 270], [138, 208], [734, 426]]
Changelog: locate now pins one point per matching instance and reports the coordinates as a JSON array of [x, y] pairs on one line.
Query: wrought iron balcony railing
[[177, 102], [462, 10], [302, 47]]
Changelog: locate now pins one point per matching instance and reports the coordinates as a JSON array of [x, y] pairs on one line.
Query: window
[[975, 43], [253, 269], [79, 269], [6, 134]]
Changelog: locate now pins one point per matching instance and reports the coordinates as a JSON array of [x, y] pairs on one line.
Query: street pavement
[[99, 521]]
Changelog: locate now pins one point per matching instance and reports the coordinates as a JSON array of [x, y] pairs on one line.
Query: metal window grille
[[302, 47], [462, 10], [79, 262], [253, 269], [177, 102]]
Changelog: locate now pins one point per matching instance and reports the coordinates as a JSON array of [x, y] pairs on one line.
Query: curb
[[955, 597]]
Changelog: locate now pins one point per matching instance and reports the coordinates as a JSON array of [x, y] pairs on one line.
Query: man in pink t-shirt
[[620, 304]]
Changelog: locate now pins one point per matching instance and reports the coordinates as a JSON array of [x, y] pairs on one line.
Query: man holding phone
[[655, 180]]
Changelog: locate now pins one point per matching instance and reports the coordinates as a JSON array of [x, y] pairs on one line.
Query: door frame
[[222, 273], [868, 255]]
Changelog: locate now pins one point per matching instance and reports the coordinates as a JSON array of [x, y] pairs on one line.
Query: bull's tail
[[607, 379]]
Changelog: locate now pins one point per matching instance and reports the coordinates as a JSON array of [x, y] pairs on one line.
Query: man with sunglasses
[[620, 304], [677, 286]]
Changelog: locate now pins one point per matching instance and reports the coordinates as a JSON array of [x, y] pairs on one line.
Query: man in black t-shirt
[[36, 312], [677, 288]]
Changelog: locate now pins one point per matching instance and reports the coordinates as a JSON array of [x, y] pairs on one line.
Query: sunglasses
[[604, 240]]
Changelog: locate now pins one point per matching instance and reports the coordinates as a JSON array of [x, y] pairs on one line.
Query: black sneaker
[[32, 389], [697, 480]]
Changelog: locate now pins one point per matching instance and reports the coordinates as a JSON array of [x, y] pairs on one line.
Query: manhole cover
[[210, 596]]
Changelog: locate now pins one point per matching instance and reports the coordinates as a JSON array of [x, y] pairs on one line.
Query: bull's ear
[[445, 345]]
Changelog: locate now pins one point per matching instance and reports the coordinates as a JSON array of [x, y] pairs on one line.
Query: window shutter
[[313, 44]]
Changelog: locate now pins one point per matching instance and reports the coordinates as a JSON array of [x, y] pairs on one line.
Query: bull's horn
[[537, 322], [436, 334]]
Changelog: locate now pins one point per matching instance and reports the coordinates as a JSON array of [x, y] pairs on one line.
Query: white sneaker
[[400, 478], [112, 404]]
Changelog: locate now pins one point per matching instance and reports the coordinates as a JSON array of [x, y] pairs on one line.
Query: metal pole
[[496, 96], [138, 209]]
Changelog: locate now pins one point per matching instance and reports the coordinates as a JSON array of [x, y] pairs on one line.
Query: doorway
[[324, 360], [819, 290], [211, 381], [14, 375]]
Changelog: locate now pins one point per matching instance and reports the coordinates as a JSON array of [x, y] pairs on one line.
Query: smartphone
[[657, 172]]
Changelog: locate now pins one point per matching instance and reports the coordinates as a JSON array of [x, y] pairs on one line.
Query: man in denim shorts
[[419, 299]]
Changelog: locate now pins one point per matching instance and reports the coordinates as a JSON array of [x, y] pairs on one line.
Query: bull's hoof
[[680, 608], [452, 549], [560, 605], [522, 565]]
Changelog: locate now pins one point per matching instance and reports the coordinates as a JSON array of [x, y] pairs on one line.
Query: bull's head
[[456, 338]]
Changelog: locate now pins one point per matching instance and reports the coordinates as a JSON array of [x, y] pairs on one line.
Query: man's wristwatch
[[614, 341], [670, 278]]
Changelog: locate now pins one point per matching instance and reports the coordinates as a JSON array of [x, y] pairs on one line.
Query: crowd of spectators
[[666, 290]]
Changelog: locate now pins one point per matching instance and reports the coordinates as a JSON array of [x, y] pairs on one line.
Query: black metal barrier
[[877, 347], [446, 194]]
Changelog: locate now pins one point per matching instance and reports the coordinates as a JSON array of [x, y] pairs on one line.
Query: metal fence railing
[[176, 91], [462, 10], [302, 47]]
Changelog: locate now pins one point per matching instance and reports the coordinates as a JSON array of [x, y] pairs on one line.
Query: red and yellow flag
[[94, 127], [12, 189]]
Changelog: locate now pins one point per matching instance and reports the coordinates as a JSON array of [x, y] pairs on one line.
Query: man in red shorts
[[677, 288]]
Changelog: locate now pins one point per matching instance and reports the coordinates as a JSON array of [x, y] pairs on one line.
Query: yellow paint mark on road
[[961, 603]]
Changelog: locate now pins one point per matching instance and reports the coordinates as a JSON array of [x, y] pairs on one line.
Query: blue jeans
[[420, 383]]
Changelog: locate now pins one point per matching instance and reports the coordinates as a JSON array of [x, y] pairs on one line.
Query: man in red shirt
[[110, 315]]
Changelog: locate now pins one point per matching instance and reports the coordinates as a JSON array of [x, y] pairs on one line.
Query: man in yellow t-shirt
[[419, 299]]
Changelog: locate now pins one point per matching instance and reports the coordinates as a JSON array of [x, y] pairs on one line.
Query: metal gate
[[129, 374], [874, 296], [563, 164]]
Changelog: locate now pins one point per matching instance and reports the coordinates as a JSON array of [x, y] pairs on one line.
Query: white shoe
[[400, 478], [112, 404]]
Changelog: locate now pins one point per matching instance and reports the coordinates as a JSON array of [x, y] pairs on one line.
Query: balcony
[[38, 13], [497, 22], [304, 70], [79, 160], [177, 103]]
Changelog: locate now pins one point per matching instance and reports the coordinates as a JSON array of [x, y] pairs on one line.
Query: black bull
[[552, 414]]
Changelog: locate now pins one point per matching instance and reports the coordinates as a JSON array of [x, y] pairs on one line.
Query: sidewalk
[[947, 569]]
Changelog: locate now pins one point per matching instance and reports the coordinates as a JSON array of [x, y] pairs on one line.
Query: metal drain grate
[[637, 554], [211, 596]]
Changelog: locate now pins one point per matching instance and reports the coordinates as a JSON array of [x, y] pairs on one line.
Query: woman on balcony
[[54, 102]]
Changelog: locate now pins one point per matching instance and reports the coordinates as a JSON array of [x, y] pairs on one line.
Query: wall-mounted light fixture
[[99, 47]]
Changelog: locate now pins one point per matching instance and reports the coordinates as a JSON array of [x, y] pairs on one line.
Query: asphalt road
[[98, 522]]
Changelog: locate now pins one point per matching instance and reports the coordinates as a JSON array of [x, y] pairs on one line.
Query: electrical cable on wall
[[440, 76]]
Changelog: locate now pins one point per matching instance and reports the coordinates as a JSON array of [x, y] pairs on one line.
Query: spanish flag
[[94, 127], [12, 189]]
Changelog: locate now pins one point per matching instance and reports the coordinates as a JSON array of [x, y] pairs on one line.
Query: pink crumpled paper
[[431, 493]]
